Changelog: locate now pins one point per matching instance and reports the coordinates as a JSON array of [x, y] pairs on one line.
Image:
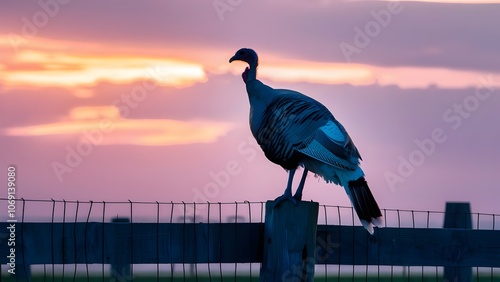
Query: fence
[[151, 241]]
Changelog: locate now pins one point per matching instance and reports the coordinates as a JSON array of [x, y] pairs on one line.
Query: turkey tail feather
[[364, 204]]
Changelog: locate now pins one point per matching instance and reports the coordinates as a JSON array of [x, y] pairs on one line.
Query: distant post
[[289, 242], [120, 271], [457, 215], [23, 272]]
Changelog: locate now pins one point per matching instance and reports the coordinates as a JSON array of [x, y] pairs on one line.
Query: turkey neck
[[259, 96]]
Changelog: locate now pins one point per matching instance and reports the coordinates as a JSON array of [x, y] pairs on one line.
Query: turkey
[[295, 130]]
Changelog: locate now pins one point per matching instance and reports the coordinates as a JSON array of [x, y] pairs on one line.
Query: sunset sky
[[118, 100]]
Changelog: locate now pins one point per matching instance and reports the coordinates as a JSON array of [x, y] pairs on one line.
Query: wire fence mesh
[[65, 214]]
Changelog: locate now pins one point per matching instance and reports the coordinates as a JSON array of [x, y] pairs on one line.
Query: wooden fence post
[[289, 242], [457, 215]]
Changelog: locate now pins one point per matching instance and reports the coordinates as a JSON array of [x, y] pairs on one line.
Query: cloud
[[77, 70], [289, 70], [310, 31], [79, 52], [67, 64], [105, 122], [49, 68]]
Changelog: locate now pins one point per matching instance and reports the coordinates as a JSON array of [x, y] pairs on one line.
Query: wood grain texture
[[289, 242]]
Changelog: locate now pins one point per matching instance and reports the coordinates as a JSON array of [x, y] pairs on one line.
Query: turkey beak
[[232, 59]]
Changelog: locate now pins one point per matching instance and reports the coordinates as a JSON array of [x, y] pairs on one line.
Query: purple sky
[[428, 70]]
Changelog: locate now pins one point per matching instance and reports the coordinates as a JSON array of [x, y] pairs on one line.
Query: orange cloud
[[105, 125], [52, 65]]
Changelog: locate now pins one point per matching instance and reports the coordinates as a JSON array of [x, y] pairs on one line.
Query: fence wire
[[64, 212]]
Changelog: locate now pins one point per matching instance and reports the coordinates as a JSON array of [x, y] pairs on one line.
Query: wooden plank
[[228, 242], [408, 247], [289, 242], [111, 243]]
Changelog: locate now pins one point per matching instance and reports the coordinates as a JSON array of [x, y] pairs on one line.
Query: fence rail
[[150, 243]]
